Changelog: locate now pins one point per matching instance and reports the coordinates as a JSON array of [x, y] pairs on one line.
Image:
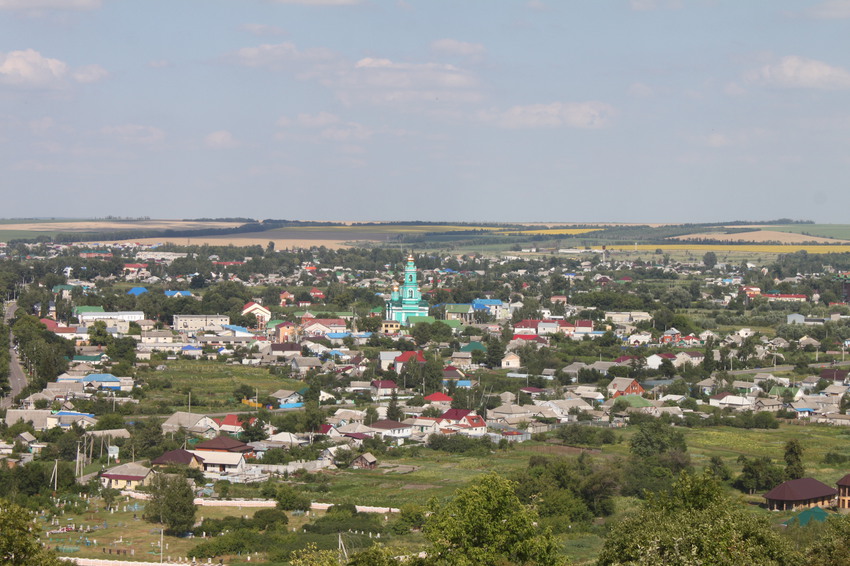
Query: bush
[[461, 444]]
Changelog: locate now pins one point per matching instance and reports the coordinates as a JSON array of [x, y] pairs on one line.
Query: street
[[17, 377]]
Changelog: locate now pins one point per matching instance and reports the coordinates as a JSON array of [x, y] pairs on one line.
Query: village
[[360, 363]]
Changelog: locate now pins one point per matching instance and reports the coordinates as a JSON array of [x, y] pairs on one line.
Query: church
[[407, 301]]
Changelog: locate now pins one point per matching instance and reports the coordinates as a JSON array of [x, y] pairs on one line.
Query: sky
[[455, 110]]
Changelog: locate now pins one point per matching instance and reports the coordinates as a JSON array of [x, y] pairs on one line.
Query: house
[[365, 462], [383, 388], [438, 397], [302, 365], [223, 444], [126, 476], [390, 327], [624, 386], [178, 457], [387, 428], [232, 424], [261, 313], [322, 326], [287, 398], [463, 312], [729, 400], [417, 357], [200, 425], [844, 492], [511, 361], [462, 359], [654, 361], [802, 493], [221, 463]]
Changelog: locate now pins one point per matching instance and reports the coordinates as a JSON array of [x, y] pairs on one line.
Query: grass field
[[740, 248], [417, 477], [839, 231], [211, 383]]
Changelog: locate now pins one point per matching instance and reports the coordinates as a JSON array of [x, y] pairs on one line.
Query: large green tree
[[19, 544], [172, 503], [695, 525], [485, 523]]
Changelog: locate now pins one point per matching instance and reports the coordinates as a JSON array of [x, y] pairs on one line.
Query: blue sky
[[608, 110]]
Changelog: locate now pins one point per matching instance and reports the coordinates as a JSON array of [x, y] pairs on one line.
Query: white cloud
[[29, 68], [317, 120], [640, 90], [455, 47], [380, 81], [90, 73], [799, 72], [734, 89], [40, 5], [718, 140], [222, 139], [134, 133], [350, 132], [371, 80], [831, 10], [588, 115], [262, 29], [42, 125], [319, 2], [278, 55], [647, 5]]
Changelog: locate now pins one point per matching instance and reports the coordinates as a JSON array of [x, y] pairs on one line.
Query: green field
[[838, 231], [211, 383], [418, 476]]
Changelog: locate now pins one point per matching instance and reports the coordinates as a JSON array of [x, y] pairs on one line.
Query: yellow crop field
[[754, 248]]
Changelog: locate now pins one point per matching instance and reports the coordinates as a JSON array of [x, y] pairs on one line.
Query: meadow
[[838, 231], [211, 383], [417, 476]]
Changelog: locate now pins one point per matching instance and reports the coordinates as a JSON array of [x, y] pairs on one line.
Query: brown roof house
[[365, 462], [844, 493], [179, 457], [803, 493], [125, 476]]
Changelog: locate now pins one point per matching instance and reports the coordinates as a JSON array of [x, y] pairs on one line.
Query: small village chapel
[[407, 301]]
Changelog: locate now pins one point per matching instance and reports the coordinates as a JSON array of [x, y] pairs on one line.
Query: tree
[[19, 544], [371, 415], [253, 431], [495, 353], [485, 523], [656, 437], [394, 412], [794, 468], [172, 503], [830, 547], [693, 525], [709, 260], [290, 500], [758, 474], [98, 336]]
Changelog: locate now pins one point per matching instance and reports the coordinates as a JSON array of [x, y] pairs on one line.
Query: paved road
[[17, 377]]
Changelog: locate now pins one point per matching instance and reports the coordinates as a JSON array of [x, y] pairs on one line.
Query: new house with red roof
[[413, 357]]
